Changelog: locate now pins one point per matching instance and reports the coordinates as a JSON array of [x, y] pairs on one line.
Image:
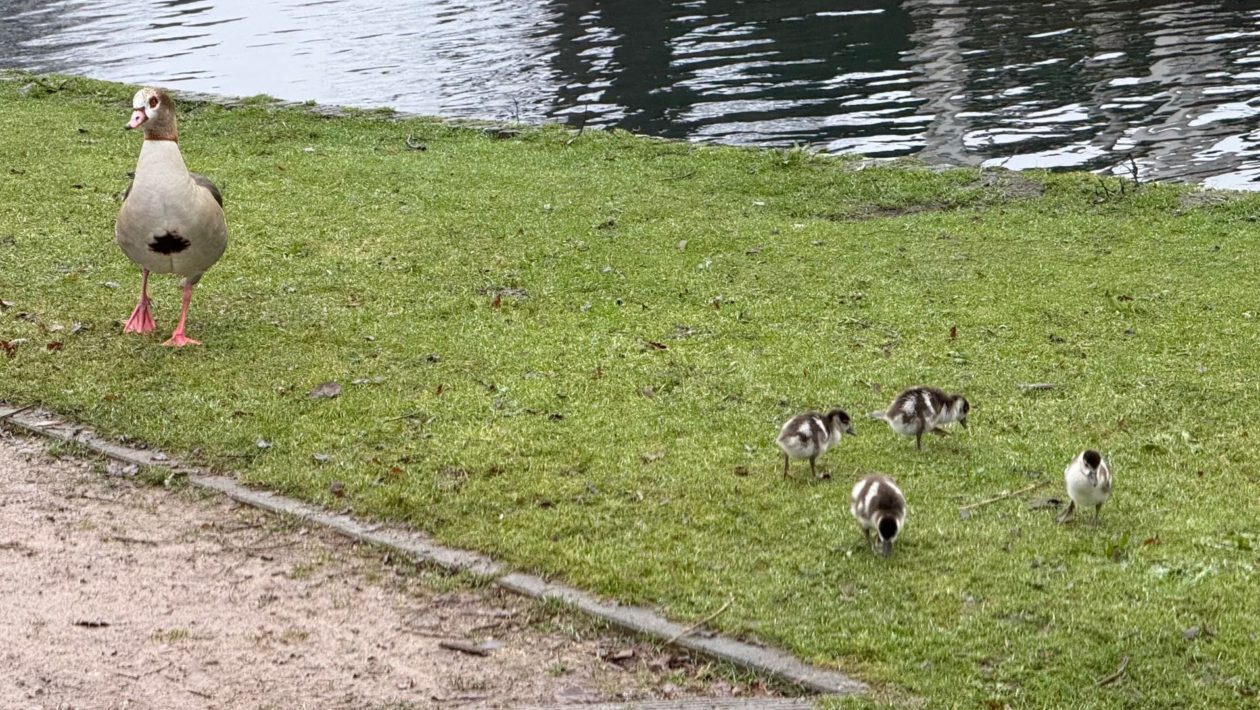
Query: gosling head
[[838, 421], [959, 410], [888, 528], [1092, 461]]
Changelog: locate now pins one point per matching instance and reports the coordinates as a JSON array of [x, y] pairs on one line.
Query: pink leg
[[141, 320], [178, 339]]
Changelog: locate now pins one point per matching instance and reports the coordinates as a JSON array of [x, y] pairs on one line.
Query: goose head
[[153, 109]]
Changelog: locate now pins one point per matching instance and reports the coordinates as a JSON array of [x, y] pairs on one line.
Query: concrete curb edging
[[417, 546]]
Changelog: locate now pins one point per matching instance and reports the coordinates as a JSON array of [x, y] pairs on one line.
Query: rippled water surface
[[1021, 83]]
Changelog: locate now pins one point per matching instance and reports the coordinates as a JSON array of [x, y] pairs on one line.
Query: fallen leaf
[[322, 458], [498, 300], [55, 345], [440, 389], [1152, 540], [328, 390], [651, 456], [337, 488], [953, 332], [652, 344], [9, 348], [741, 471]]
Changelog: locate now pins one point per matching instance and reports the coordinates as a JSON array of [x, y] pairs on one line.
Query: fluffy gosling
[[809, 435], [1088, 483], [922, 409], [878, 504]]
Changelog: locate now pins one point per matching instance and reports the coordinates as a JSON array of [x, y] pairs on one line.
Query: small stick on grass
[[701, 622], [1036, 385], [1124, 665], [1004, 496]]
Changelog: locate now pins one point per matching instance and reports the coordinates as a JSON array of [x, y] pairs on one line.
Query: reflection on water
[[1022, 83]]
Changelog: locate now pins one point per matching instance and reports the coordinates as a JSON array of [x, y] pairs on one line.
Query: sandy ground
[[119, 594]]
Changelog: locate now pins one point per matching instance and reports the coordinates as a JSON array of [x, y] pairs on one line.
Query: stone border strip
[[417, 546]]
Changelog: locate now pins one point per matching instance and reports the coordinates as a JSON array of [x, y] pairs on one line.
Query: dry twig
[[701, 622], [1004, 496], [16, 412], [1124, 665], [471, 649], [132, 540]]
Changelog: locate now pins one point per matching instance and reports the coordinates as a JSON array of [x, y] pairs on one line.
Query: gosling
[[878, 504], [809, 435], [922, 409], [1088, 483]]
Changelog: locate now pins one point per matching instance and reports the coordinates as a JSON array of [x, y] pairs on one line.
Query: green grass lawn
[[574, 354]]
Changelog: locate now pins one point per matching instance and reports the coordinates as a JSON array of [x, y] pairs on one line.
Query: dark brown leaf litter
[[236, 608]]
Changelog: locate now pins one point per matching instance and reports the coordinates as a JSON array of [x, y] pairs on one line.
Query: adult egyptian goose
[[878, 505], [809, 435], [922, 409], [1088, 480], [171, 220]]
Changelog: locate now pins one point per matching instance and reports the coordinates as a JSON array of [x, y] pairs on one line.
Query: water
[[1020, 83]]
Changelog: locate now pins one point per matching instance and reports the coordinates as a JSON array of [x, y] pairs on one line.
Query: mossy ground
[[574, 354]]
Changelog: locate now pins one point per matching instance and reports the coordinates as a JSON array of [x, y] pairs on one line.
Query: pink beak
[[138, 117]]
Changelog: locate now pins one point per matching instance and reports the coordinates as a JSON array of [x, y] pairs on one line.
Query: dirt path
[[115, 593]]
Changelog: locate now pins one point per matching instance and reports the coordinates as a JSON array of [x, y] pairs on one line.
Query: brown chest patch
[[169, 243]]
